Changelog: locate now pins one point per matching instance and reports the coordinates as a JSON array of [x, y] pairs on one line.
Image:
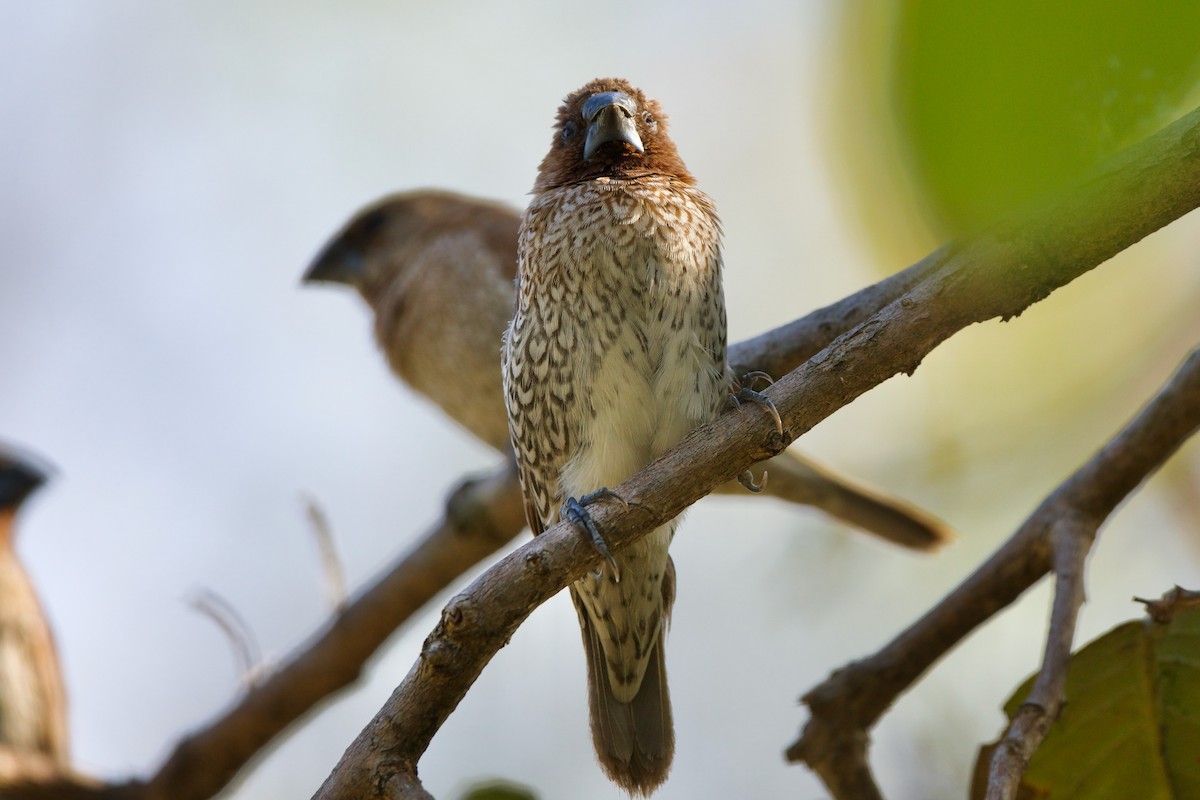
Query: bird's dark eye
[[568, 130], [648, 120], [371, 222]]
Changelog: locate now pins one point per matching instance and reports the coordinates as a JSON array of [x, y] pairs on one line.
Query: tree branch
[[780, 350], [998, 274], [846, 705]]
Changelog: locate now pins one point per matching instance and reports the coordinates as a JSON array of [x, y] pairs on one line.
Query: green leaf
[[1179, 702], [1131, 724]]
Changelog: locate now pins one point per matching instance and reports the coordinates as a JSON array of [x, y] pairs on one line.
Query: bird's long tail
[[634, 741]]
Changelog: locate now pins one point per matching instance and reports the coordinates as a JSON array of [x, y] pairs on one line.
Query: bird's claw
[[603, 493], [747, 479], [574, 510], [746, 394], [750, 377]]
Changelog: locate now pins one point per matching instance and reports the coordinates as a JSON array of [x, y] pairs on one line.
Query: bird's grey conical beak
[[338, 262], [610, 118], [20, 476]]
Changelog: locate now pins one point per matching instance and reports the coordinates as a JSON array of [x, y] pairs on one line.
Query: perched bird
[[33, 707], [437, 270], [615, 353]]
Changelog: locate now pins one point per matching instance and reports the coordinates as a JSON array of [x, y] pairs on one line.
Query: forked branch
[[1056, 536]]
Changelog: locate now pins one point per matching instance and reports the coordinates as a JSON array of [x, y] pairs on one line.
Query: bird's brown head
[[383, 241], [609, 129]]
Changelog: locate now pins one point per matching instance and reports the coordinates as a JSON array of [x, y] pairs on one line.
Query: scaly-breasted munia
[[437, 269], [615, 353]]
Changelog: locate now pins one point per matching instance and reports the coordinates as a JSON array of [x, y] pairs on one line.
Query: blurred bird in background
[[437, 270], [33, 704]]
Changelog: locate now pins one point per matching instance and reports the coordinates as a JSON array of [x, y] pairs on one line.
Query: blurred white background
[[168, 170]]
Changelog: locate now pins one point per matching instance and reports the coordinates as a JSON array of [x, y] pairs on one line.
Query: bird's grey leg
[[574, 510]]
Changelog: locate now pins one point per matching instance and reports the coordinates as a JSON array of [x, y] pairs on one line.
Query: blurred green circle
[[997, 103]]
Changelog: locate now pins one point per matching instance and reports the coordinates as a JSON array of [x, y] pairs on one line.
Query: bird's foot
[[742, 391], [745, 394], [574, 510]]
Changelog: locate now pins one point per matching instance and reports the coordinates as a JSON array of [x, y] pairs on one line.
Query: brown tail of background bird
[[634, 741], [799, 480]]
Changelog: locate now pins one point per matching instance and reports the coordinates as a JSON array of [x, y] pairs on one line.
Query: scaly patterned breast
[[618, 347]]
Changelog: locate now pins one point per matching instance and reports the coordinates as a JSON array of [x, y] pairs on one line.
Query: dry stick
[[332, 571], [847, 704], [1072, 538], [1001, 274], [240, 636]]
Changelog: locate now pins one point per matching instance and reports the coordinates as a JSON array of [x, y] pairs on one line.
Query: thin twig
[[332, 571], [240, 636], [1072, 538], [1164, 609]]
